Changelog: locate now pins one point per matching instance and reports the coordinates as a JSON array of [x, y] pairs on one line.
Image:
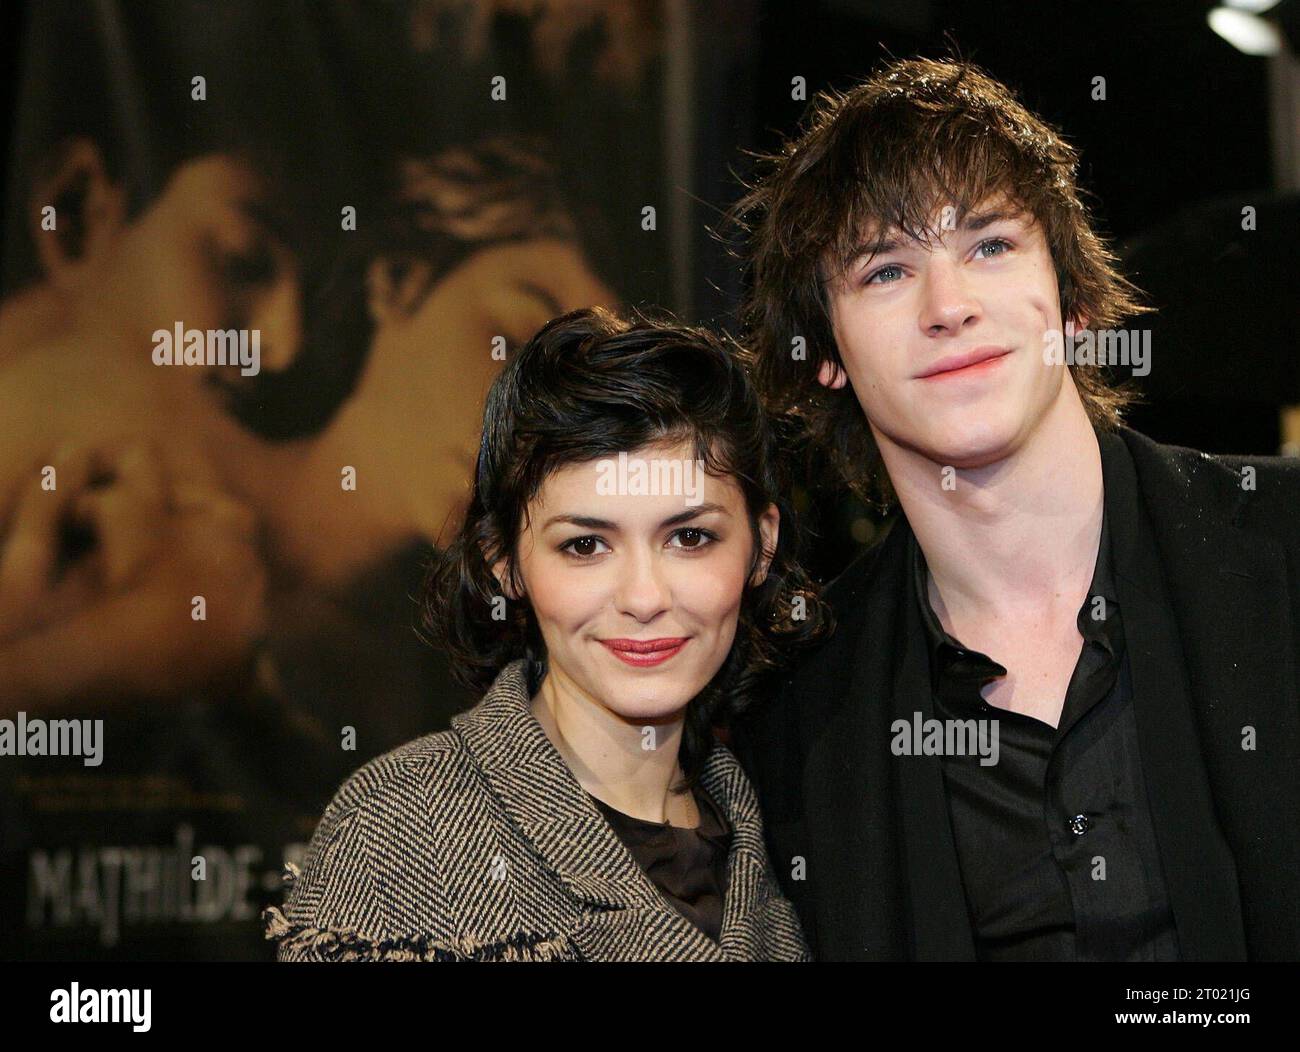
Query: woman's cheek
[[564, 595], [714, 590]]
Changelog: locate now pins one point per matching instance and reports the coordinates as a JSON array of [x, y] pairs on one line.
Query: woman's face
[[652, 552]]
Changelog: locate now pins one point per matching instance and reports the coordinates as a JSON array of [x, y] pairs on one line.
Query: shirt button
[[1080, 824]]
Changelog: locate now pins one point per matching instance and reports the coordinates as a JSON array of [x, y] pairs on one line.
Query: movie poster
[[261, 263]]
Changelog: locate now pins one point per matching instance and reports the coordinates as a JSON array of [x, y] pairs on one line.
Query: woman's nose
[[642, 591]]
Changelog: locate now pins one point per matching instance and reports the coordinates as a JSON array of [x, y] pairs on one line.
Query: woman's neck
[[630, 765]]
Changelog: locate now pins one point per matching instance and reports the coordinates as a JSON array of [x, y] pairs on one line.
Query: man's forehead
[[943, 219]]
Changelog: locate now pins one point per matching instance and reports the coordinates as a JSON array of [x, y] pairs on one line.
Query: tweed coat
[[478, 843]]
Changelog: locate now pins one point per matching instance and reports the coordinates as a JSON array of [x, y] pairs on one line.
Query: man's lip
[[962, 361], [645, 646]]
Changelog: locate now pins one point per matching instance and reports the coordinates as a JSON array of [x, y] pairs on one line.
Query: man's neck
[[1014, 539]]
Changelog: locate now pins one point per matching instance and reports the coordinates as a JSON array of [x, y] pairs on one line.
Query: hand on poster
[[121, 575]]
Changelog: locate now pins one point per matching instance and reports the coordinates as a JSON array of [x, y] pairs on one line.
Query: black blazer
[[862, 843]]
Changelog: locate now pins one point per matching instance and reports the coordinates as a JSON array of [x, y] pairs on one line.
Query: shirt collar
[[951, 661]]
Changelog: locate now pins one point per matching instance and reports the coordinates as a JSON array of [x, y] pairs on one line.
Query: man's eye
[[992, 242], [697, 538], [582, 547], [892, 268]]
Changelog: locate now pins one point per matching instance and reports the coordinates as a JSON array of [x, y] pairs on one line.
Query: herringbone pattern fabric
[[478, 843]]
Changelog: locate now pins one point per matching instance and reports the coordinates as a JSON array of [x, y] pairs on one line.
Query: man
[[1059, 719]]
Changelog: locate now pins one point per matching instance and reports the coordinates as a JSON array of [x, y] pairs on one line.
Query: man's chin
[[966, 445]]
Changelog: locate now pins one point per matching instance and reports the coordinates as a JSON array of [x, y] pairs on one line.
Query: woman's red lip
[[644, 646], [644, 653]]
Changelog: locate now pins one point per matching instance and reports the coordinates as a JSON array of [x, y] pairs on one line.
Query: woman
[[620, 579]]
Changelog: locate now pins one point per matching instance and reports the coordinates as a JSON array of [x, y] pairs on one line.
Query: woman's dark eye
[[582, 547], [698, 538]]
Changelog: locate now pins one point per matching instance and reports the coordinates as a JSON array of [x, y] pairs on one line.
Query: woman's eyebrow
[[586, 522], [589, 523], [690, 513], [538, 292]]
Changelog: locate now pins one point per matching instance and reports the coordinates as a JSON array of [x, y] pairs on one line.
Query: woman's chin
[[644, 701]]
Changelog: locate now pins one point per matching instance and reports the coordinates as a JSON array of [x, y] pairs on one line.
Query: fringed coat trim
[[345, 944]]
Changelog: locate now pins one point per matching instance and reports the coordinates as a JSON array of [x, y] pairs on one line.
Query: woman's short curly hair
[[590, 385]]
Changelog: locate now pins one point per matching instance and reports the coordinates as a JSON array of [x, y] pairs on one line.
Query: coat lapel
[[851, 847], [1228, 589], [940, 922], [1200, 875], [749, 930], [886, 861], [623, 915]]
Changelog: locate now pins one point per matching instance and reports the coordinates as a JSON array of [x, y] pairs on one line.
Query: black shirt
[[688, 866], [1058, 854]]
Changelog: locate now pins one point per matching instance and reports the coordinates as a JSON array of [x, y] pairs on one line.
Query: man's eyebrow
[[980, 220], [973, 222], [589, 523]]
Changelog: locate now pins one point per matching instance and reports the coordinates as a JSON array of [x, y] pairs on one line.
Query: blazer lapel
[[941, 929], [885, 864], [851, 844], [623, 915], [749, 932], [1199, 873], [1228, 592]]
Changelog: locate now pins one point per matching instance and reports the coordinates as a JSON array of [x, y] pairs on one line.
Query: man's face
[[943, 340]]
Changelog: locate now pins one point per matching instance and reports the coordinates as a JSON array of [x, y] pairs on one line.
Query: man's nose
[[949, 303]]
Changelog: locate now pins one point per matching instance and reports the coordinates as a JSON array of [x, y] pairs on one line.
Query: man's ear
[[832, 375], [89, 211], [394, 287], [769, 532]]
